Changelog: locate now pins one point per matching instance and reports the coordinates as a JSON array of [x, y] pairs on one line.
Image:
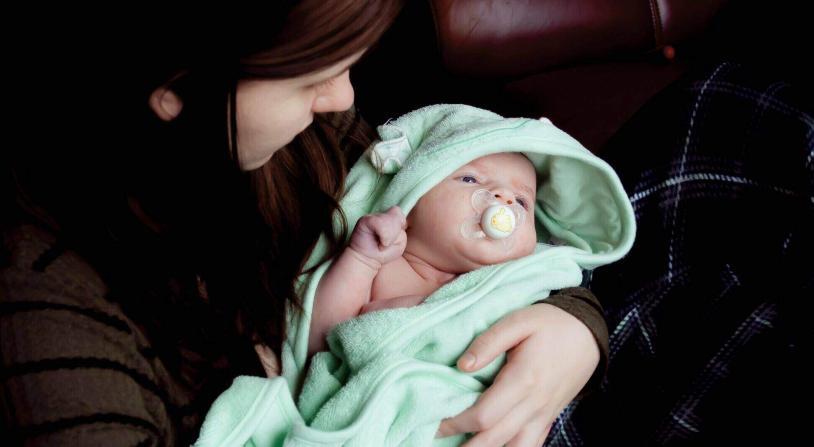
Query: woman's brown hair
[[200, 254]]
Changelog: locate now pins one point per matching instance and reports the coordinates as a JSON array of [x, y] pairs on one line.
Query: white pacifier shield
[[498, 221]]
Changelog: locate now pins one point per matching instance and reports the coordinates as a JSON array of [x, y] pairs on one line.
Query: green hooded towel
[[389, 377]]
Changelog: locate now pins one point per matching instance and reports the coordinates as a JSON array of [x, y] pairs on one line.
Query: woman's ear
[[165, 103]]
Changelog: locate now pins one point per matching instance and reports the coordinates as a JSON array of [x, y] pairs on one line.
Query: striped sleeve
[[75, 370]]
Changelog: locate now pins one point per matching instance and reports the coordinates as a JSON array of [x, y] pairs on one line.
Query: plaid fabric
[[706, 313]]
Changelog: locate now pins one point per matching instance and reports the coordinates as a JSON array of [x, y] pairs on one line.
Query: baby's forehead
[[501, 157], [502, 161]]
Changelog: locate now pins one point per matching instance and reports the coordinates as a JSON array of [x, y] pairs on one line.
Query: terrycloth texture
[[389, 377]]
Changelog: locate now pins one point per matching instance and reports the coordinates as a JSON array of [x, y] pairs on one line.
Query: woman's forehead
[[337, 68]]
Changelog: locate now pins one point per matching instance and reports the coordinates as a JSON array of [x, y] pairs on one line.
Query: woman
[[133, 293]]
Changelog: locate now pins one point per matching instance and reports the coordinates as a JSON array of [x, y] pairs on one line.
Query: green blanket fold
[[389, 377]]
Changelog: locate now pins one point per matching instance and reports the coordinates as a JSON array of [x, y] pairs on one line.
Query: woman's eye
[[326, 83], [469, 179]]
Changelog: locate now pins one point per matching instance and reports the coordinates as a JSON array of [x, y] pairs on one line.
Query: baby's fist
[[380, 237]]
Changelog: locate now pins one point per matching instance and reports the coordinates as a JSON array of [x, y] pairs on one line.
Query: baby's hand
[[380, 238]]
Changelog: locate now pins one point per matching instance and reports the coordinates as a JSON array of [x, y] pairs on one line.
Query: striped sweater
[[76, 370]]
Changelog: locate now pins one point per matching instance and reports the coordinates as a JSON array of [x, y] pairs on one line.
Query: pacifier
[[493, 219], [498, 222]]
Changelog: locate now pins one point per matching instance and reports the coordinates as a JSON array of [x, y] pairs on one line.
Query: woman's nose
[[336, 96]]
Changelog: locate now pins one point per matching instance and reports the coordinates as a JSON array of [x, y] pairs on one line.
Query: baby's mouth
[[493, 220], [498, 221]]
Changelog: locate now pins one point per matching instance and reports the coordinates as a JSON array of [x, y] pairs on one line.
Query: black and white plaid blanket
[[706, 314]]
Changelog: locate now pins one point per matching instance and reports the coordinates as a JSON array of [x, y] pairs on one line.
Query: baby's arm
[[345, 288], [341, 293], [393, 303]]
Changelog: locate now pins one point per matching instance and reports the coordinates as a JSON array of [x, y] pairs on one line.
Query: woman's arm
[[584, 306], [551, 356], [75, 369]]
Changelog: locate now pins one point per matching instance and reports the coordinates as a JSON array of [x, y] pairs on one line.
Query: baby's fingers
[[396, 212], [389, 226]]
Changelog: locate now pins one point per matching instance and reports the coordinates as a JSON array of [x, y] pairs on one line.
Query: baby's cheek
[[529, 241]]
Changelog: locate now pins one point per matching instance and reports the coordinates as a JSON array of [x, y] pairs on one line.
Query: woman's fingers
[[551, 357], [509, 427], [511, 386], [268, 359], [499, 338], [547, 430], [531, 435]]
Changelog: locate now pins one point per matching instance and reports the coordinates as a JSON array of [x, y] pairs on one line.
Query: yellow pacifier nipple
[[498, 221]]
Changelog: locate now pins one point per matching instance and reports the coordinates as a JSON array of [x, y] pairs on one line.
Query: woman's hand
[[551, 355]]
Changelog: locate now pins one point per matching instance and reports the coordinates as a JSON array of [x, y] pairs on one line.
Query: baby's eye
[[522, 202], [469, 179]]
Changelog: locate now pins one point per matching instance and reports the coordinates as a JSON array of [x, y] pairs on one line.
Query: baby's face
[[434, 224]]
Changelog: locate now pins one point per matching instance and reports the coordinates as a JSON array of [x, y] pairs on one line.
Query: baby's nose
[[504, 196]]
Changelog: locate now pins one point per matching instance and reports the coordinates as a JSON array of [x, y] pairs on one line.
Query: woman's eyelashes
[[326, 83], [323, 84]]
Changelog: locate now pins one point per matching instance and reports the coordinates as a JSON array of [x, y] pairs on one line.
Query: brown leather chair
[[588, 65]]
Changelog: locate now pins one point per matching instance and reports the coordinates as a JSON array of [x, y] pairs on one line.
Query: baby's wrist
[[368, 261]]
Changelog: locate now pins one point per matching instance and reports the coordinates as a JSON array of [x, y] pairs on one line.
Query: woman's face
[[270, 113]]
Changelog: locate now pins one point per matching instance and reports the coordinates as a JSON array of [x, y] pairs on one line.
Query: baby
[[470, 241], [482, 214]]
